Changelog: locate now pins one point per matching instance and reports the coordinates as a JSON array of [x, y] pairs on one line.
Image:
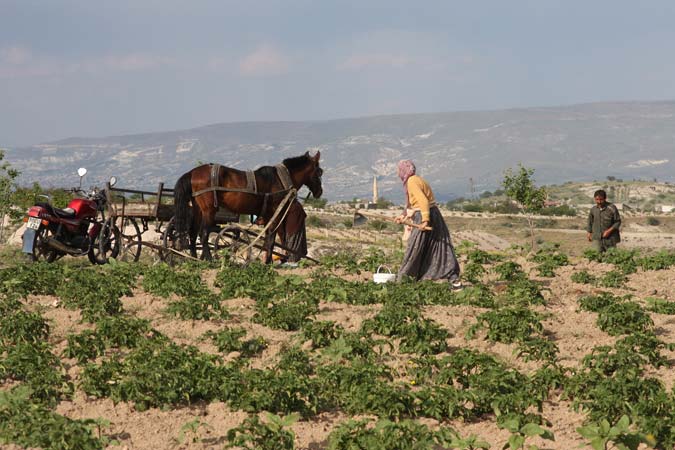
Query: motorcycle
[[77, 230]]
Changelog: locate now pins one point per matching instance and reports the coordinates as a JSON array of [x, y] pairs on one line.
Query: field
[[557, 348]]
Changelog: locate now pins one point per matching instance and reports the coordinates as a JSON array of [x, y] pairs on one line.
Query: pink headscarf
[[406, 169]]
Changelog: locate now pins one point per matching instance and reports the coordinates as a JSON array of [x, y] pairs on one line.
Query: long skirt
[[297, 243], [430, 254]]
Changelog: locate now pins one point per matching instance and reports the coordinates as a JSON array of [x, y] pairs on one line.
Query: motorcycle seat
[[66, 213]]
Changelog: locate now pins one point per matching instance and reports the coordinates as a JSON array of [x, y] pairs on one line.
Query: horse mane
[[267, 173], [297, 162]]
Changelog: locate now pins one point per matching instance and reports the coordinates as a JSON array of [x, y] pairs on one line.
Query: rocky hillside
[[456, 152]]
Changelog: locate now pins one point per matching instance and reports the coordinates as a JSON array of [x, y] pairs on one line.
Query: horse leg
[[268, 246], [195, 228], [208, 222]]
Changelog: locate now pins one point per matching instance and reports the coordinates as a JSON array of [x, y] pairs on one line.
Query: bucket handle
[[385, 266]]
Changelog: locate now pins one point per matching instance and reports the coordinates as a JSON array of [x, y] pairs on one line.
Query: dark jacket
[[601, 219]]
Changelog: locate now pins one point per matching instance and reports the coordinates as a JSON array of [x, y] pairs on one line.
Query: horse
[[208, 186]]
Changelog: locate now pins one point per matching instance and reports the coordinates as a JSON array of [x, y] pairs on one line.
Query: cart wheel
[[234, 242], [106, 244], [172, 255], [131, 240]]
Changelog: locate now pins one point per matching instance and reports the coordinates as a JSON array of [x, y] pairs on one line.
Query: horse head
[[305, 170]]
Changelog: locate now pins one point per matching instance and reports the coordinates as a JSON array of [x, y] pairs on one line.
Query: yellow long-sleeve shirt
[[420, 196]]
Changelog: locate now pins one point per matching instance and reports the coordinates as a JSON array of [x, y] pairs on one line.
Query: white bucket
[[383, 277]]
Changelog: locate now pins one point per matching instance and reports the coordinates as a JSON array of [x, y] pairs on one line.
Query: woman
[[295, 234], [429, 254]]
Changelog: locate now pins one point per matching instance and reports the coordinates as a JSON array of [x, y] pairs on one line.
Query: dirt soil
[[574, 332]]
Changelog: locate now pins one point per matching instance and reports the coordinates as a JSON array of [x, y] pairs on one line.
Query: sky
[[99, 68]]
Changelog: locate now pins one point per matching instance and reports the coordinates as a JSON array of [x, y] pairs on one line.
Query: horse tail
[[182, 194]]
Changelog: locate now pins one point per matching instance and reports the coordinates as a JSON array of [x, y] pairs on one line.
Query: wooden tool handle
[[416, 225]]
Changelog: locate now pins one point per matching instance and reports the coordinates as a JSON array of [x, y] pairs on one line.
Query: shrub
[[315, 221], [653, 221]]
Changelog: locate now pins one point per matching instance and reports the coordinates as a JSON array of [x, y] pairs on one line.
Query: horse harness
[[251, 185]]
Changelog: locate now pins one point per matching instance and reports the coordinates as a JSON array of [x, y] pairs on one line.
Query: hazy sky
[[95, 68]]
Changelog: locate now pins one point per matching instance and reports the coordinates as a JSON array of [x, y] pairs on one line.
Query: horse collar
[[284, 176]]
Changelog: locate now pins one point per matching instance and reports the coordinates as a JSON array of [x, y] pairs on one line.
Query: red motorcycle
[[77, 230]]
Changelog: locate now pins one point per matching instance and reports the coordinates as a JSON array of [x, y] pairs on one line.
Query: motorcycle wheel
[[41, 251], [106, 244]]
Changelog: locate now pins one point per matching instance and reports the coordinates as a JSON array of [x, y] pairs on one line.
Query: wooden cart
[[133, 211]]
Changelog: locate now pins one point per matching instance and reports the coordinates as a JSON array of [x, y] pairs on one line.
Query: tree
[[318, 203], [7, 187], [520, 187], [383, 203]]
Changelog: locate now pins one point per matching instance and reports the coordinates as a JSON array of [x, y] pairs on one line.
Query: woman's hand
[[424, 224], [400, 219]]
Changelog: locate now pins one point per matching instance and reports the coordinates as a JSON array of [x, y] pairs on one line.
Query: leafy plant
[[509, 271], [473, 272], [288, 314], [624, 318], [29, 424], [478, 256], [508, 325], [22, 327], [520, 432], [613, 279], [601, 435], [660, 305], [156, 373], [191, 428], [202, 306], [253, 434], [658, 261], [96, 291], [230, 340], [35, 364], [111, 332], [596, 303], [523, 292], [322, 333], [164, 280], [549, 257], [583, 277], [39, 278], [386, 435]]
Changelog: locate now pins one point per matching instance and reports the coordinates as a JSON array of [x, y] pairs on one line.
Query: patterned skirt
[[430, 254]]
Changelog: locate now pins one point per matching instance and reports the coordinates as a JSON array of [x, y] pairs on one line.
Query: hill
[[458, 152], [646, 196]]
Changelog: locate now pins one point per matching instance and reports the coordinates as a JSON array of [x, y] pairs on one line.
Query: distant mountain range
[[457, 152]]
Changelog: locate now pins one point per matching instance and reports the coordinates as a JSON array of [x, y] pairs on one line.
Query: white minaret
[[375, 196]]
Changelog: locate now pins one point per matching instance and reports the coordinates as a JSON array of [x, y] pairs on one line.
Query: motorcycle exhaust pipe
[[63, 248]]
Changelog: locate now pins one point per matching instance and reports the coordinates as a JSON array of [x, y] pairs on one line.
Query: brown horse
[[303, 170]]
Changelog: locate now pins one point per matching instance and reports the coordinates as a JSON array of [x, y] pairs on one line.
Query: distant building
[[376, 198]]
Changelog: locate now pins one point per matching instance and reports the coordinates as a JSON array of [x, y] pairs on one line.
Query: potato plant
[[396, 368]]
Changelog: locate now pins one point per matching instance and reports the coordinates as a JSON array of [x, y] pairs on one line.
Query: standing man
[[603, 223]]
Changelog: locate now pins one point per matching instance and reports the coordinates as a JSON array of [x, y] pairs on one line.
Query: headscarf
[[406, 169]]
